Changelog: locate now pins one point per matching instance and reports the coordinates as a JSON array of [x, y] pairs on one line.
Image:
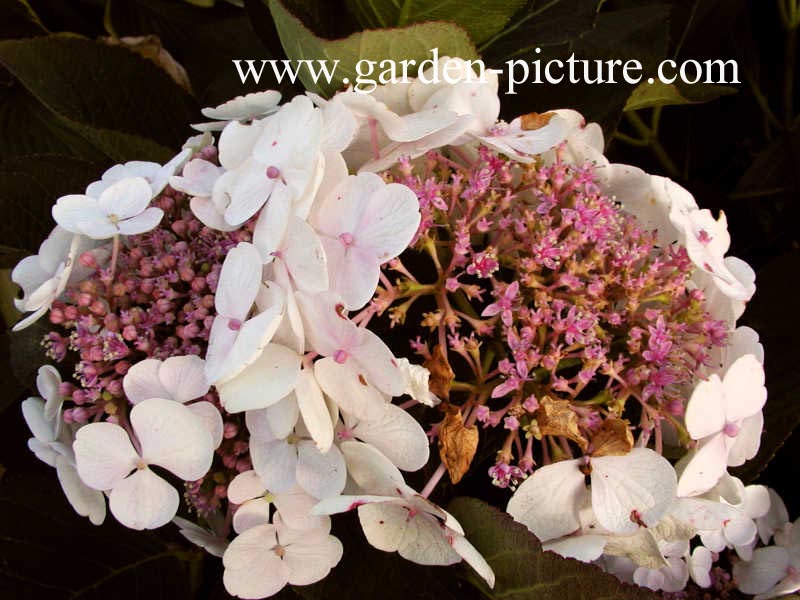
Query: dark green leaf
[[21, 355], [658, 93], [406, 43], [203, 40], [552, 25], [18, 19], [29, 186], [369, 574], [118, 101], [523, 571], [481, 19]]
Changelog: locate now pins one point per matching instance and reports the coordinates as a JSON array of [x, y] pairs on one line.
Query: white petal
[[310, 562], [295, 508], [206, 211], [74, 211], [143, 501], [741, 531], [473, 558], [349, 390], [183, 377], [142, 382], [321, 475], [252, 569], [272, 224], [641, 481], [245, 486], [305, 257], [209, 415], [282, 416], [703, 514], [399, 436], [104, 455], [548, 501], [700, 564], [582, 547], [126, 198], [269, 379], [86, 501], [43, 429], [171, 436], [705, 412], [371, 470], [767, 567], [239, 281], [373, 358], [251, 514], [276, 464], [141, 223], [747, 441], [744, 389], [236, 143], [315, 413], [48, 381], [705, 467]]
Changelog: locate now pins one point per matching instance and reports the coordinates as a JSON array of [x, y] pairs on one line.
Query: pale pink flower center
[[340, 356], [273, 172], [731, 429], [234, 324]]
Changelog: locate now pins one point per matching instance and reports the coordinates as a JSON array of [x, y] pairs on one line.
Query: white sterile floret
[[168, 435], [395, 518], [121, 208], [278, 155], [52, 444], [248, 371], [179, 378], [241, 108], [363, 223], [43, 277], [262, 560], [296, 459], [248, 491], [157, 176], [355, 350], [724, 415], [773, 571], [627, 492]]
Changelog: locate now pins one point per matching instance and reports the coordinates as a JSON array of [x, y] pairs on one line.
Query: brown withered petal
[[614, 438], [457, 444], [441, 373], [535, 120], [556, 417]]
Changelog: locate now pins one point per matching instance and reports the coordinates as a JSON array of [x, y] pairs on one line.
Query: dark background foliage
[[71, 104]]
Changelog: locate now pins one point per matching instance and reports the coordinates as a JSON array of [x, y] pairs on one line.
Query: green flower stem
[[652, 141]]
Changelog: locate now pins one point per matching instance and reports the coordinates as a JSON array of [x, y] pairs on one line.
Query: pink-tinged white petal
[[282, 416], [276, 464], [143, 500], [252, 568], [586, 548], [86, 501], [637, 488], [398, 436], [271, 377], [239, 281], [748, 440], [236, 143], [183, 377], [212, 420], [342, 504], [42, 428], [705, 412], [473, 558], [245, 486], [305, 257], [743, 388], [201, 537], [321, 475], [197, 179], [705, 467], [700, 563], [349, 389], [104, 455], [548, 501], [311, 404], [126, 198], [142, 381], [371, 470], [251, 514], [173, 437], [311, 562], [702, 514], [206, 211], [767, 567], [294, 508], [272, 224]]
